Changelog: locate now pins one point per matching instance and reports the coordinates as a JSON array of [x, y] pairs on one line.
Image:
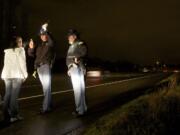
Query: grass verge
[[157, 113]]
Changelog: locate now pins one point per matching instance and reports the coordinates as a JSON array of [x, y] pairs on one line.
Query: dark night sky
[[137, 31]]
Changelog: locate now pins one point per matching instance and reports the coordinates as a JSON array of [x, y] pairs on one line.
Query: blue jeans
[[44, 73], [12, 89], [77, 79]]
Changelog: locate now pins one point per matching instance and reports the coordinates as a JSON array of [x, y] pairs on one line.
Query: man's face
[[44, 38], [71, 39]]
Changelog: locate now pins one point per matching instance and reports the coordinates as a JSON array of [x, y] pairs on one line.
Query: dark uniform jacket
[[77, 50], [43, 53]]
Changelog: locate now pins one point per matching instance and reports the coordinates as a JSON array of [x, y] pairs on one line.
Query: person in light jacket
[[14, 73]]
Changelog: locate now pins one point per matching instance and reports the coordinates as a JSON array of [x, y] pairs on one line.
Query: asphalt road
[[61, 82], [103, 94]]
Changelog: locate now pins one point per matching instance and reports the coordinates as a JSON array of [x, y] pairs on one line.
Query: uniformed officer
[[43, 54], [76, 70]]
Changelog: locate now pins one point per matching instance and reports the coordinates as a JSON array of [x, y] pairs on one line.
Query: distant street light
[[157, 62]]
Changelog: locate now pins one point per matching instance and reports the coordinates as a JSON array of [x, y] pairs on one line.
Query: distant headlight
[[165, 70], [94, 73], [176, 71]]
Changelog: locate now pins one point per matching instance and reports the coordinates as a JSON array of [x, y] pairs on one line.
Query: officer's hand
[[31, 44], [76, 60], [34, 74], [68, 72]]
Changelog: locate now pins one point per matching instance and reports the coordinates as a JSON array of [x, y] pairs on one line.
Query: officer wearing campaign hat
[[76, 70], [44, 55]]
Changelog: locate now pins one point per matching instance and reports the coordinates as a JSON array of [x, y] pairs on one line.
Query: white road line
[[93, 86]]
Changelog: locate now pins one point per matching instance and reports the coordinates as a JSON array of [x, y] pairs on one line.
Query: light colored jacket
[[14, 64]]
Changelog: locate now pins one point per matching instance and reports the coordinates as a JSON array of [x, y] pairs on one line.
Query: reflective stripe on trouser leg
[[82, 80], [77, 78], [44, 73]]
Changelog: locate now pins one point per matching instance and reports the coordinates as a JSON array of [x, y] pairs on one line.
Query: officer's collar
[[44, 42]]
